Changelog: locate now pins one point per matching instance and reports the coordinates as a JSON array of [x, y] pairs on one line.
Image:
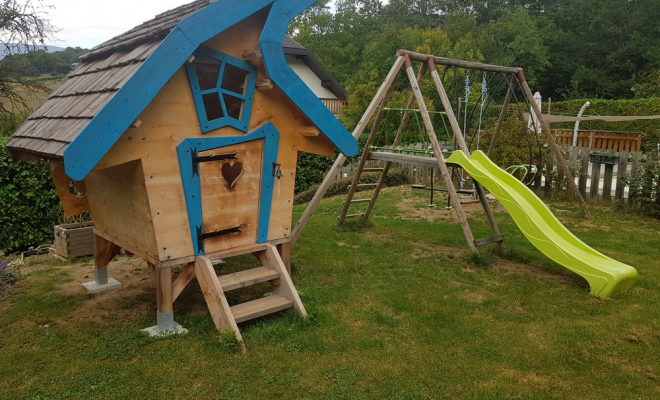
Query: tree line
[[569, 49], [39, 62]]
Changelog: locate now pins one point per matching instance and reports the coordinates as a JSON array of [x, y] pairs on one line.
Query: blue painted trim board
[[191, 181], [289, 82]]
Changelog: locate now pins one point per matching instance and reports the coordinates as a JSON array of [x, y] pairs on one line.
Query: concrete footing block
[[93, 287], [176, 329]]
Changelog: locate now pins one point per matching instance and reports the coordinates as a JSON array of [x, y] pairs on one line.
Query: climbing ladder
[[272, 270]]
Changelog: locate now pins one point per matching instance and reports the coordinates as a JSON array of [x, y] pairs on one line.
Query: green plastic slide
[[605, 275]]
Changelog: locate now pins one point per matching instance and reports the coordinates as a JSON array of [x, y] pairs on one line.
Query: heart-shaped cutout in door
[[231, 171]]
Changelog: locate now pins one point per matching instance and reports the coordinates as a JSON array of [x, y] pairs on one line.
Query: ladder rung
[[260, 307], [358, 201], [373, 169], [248, 277], [354, 215], [361, 185]]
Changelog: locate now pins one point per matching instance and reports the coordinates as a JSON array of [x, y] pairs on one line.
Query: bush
[[394, 178], [644, 190], [30, 206]]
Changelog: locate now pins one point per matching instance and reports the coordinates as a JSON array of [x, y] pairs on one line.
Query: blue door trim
[[191, 182]]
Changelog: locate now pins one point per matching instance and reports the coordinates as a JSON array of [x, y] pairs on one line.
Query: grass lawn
[[398, 310]]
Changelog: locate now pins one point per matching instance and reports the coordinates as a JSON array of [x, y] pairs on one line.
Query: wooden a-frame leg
[[165, 324], [104, 251], [215, 297]]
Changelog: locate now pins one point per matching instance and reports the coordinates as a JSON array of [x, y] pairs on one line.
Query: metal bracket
[[201, 236], [220, 157]]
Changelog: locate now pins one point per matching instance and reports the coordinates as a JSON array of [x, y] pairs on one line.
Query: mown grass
[[398, 310]]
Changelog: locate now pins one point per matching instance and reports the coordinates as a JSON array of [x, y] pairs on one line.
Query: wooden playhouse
[[184, 132]]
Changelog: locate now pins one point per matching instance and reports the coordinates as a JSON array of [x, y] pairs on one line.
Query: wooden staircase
[[272, 270]]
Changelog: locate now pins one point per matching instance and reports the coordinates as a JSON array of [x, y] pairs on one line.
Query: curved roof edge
[[103, 131]]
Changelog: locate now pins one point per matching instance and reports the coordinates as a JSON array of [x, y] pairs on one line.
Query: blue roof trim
[[288, 81], [102, 132]]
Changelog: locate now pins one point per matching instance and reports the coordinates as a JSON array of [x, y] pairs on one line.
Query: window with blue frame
[[223, 89]]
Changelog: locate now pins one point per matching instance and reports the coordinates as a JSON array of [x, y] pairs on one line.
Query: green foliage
[[310, 170], [644, 189], [340, 187], [30, 206]]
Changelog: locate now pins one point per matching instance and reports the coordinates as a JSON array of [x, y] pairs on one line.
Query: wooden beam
[[460, 214], [409, 159], [71, 204], [285, 254], [323, 188], [460, 139], [457, 63], [186, 275], [164, 300], [500, 120], [215, 297], [104, 251]]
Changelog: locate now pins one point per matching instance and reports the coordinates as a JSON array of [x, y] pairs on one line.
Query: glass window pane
[[212, 106], [234, 106], [207, 71], [234, 79]]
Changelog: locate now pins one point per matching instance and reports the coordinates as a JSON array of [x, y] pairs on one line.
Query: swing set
[[510, 80]]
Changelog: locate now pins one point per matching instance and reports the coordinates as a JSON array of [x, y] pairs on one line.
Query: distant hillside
[[20, 49]]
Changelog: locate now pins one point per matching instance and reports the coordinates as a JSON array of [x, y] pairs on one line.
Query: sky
[[87, 23]]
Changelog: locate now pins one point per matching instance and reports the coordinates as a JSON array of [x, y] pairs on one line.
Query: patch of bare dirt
[[533, 272], [415, 208]]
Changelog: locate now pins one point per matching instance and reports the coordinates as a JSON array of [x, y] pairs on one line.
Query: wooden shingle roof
[[88, 88]]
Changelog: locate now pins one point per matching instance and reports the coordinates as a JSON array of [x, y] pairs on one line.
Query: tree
[[24, 28]]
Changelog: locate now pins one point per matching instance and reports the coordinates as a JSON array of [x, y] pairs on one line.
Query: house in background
[[308, 68], [185, 133]]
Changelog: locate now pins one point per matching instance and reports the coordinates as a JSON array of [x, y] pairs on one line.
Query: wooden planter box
[[74, 240]]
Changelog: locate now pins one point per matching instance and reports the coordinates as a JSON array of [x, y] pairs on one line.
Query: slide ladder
[[605, 275]]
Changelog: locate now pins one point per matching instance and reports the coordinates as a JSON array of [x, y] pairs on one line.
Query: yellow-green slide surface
[[605, 275]]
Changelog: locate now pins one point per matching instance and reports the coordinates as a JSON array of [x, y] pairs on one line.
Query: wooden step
[[354, 215], [358, 201], [260, 307], [248, 277], [365, 185]]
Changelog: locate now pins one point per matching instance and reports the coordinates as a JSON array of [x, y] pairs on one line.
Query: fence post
[[621, 173], [584, 171], [595, 181], [607, 183], [634, 173]]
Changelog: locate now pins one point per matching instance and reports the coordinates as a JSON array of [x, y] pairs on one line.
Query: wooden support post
[[458, 137], [438, 153], [104, 252], [595, 181], [215, 297], [572, 187], [549, 170], [584, 171], [323, 188], [500, 120], [164, 299], [621, 173], [285, 254], [607, 182]]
